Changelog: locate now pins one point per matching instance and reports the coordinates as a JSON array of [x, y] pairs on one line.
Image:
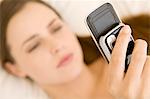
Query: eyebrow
[[35, 35]]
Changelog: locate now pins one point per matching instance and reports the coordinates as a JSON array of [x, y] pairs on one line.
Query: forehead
[[33, 18]]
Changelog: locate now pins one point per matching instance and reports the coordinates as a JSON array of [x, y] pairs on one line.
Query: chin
[[71, 74], [72, 70]]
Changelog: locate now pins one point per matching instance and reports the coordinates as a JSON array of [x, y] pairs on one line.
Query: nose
[[56, 49], [55, 46]]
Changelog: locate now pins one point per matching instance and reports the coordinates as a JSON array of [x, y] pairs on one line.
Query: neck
[[80, 88]]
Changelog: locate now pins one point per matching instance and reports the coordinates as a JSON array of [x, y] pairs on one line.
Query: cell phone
[[105, 25]]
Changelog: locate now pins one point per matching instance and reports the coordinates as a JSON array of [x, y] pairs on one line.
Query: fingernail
[[126, 29]]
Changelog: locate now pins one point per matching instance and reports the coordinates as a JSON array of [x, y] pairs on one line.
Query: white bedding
[[13, 88]]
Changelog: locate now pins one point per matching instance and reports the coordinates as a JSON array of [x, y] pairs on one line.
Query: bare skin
[[40, 58]]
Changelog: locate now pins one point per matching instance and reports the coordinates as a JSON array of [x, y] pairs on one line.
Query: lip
[[65, 60]]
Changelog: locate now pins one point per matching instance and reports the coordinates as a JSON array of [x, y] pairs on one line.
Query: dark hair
[[8, 8]]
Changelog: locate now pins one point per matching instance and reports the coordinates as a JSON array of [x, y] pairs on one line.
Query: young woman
[[36, 43]]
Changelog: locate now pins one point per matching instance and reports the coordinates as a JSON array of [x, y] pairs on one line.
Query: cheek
[[44, 71], [71, 41], [75, 46], [38, 66]]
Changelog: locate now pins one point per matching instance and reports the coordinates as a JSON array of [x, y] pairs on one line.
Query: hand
[[135, 83]]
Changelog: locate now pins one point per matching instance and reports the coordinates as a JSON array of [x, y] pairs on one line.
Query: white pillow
[[12, 87]]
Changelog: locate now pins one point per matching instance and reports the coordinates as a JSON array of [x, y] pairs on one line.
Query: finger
[[119, 54], [146, 70], [145, 88], [137, 61]]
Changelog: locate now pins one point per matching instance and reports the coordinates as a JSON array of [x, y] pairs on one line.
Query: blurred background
[[75, 11]]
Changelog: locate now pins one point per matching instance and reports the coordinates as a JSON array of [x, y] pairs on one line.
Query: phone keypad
[[111, 39]]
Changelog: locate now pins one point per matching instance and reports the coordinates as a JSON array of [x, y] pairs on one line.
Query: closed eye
[[32, 48], [57, 28]]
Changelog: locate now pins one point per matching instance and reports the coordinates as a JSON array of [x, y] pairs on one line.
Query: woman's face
[[43, 46]]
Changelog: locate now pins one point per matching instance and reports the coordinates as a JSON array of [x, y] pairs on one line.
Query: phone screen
[[102, 20], [101, 24]]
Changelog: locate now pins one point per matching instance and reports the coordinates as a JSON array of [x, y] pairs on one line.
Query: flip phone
[[105, 25]]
